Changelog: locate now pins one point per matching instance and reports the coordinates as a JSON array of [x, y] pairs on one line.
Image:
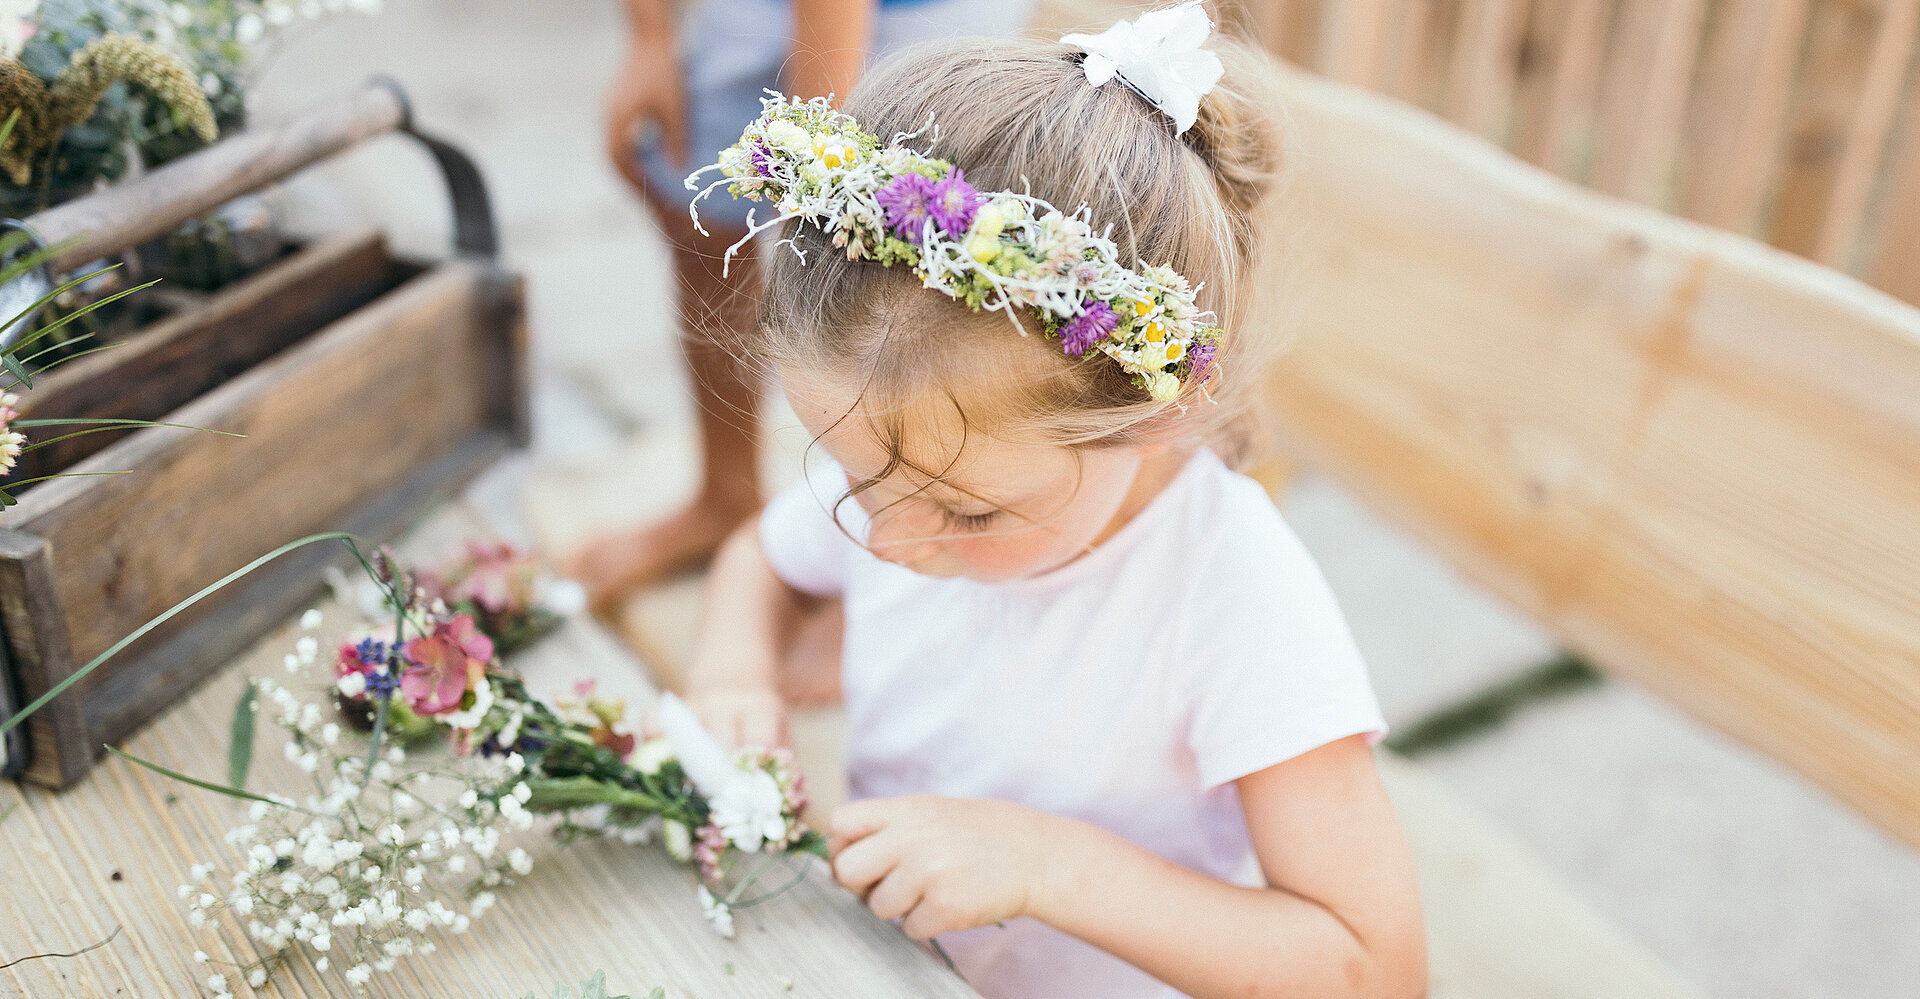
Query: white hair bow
[[1159, 56]]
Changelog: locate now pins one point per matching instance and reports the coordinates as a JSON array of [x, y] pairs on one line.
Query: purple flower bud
[[1095, 323]]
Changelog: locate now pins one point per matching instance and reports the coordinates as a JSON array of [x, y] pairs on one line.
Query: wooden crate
[[367, 388]]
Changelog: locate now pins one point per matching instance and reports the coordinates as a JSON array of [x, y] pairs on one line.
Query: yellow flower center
[[1154, 333], [1142, 308]]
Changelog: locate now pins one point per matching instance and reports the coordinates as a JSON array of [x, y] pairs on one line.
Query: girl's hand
[[646, 88], [741, 714], [945, 863]]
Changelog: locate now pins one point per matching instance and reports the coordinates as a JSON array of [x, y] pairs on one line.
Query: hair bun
[[1237, 133]]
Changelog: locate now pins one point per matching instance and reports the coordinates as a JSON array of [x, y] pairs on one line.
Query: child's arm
[[746, 624], [646, 87], [830, 41], [1342, 917]]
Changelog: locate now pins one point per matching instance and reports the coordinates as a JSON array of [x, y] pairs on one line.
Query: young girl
[[1108, 734]]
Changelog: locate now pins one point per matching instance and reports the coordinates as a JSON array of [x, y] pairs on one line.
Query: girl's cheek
[[1010, 558]]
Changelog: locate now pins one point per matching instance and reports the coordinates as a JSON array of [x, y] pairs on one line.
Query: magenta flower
[[954, 204], [1095, 323], [906, 199], [448, 663]]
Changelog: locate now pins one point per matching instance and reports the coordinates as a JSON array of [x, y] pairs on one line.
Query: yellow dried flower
[[21, 90], [111, 58]]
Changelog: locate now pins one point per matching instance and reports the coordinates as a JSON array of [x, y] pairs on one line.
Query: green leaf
[[16, 369], [231, 792], [240, 744], [43, 331], [9, 724]]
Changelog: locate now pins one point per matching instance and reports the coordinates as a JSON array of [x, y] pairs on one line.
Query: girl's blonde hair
[[1020, 115]]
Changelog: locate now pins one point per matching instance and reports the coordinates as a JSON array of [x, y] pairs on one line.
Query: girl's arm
[[1342, 917], [830, 41], [746, 624]]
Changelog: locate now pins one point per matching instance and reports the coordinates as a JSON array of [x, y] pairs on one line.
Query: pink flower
[[448, 663]]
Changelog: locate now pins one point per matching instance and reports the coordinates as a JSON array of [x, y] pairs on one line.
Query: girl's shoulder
[[1238, 554]]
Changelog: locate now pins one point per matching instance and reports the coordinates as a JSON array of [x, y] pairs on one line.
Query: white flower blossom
[[718, 912]]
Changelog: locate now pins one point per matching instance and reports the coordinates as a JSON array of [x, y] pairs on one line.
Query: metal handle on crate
[[154, 204]]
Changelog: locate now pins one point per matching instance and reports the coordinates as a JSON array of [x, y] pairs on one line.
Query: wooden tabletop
[[108, 854]]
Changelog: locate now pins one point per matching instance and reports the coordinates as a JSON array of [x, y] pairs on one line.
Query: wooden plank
[[159, 369], [38, 654], [627, 910], [1694, 458], [1866, 143]]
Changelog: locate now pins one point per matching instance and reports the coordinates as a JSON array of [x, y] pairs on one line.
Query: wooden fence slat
[[1866, 136], [1894, 246], [1486, 67], [1643, 95], [1573, 92], [1819, 115], [1351, 37]]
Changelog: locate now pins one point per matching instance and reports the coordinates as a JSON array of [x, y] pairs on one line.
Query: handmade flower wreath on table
[[389, 847]]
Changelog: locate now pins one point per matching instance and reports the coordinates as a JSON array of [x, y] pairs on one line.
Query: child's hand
[[944, 863], [741, 715], [646, 88]]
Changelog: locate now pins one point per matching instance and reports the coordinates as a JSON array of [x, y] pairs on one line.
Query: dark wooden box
[[367, 389]]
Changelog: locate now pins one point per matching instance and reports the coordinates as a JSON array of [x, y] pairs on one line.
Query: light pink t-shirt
[[1126, 689]]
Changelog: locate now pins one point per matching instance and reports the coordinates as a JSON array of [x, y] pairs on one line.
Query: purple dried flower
[[954, 204], [906, 199], [759, 156], [1199, 359], [1094, 324]]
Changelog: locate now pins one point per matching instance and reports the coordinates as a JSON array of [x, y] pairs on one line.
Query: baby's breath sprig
[[387, 850]]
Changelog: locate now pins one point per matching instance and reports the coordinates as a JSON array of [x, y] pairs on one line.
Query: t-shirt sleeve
[[1271, 668], [803, 544]]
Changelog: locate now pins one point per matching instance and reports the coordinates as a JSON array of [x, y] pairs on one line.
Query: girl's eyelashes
[[968, 522]]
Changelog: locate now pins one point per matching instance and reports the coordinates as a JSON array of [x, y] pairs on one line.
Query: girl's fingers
[[861, 865], [896, 894], [928, 920], [854, 821]]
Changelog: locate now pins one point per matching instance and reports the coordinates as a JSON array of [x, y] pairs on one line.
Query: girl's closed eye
[[971, 522]]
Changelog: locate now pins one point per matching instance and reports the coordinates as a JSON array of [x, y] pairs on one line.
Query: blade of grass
[[9, 724], [206, 785]]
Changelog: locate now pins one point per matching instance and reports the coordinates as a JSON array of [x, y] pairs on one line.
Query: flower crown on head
[[998, 251]]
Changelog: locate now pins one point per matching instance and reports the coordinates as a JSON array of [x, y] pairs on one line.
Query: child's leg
[[715, 311]]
